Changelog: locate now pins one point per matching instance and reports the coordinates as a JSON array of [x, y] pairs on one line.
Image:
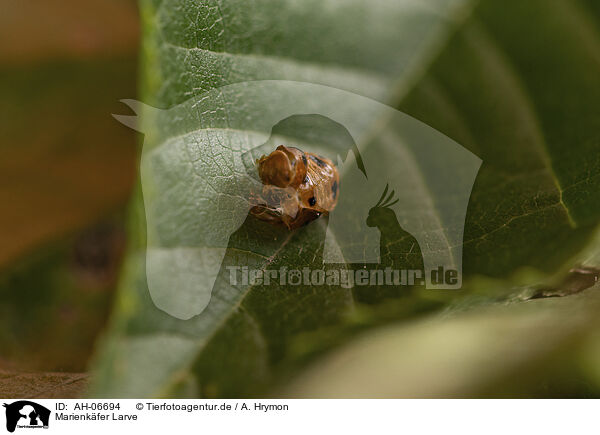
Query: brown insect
[[298, 187]]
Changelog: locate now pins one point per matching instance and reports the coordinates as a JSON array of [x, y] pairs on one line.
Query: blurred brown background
[[66, 172]]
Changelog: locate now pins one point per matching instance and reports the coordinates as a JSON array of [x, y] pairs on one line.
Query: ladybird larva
[[298, 187]]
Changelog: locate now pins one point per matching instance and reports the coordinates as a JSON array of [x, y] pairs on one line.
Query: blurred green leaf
[[55, 301], [525, 108], [66, 169], [64, 164]]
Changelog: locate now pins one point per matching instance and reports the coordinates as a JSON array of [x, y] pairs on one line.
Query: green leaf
[[526, 110], [525, 102], [534, 342], [517, 350]]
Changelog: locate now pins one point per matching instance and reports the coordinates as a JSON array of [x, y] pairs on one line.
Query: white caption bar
[[300, 416]]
